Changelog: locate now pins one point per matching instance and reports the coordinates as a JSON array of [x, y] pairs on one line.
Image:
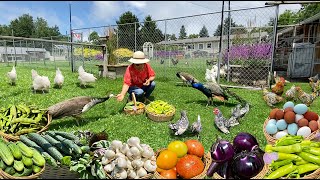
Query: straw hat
[[138, 58]]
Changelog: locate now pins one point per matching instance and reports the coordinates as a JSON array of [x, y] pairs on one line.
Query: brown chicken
[[291, 94], [278, 88], [304, 97]]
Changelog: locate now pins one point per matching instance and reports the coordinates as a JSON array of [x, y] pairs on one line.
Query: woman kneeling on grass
[[138, 78]]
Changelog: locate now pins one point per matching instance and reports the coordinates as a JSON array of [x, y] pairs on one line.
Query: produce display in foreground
[[293, 157], [160, 107], [19, 160], [22, 119]]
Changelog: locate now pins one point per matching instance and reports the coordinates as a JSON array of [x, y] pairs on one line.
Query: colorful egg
[[273, 121], [298, 117], [271, 128], [272, 113], [313, 125], [288, 104], [289, 117], [311, 115], [300, 108], [303, 122], [292, 128], [280, 134], [281, 124], [279, 114], [304, 131]]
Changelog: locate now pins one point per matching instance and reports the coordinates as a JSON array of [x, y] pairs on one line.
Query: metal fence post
[[229, 33], [220, 46], [165, 44], [135, 37], [274, 43]]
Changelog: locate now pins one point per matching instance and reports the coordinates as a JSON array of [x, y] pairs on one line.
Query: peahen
[[214, 90], [186, 77], [75, 106]]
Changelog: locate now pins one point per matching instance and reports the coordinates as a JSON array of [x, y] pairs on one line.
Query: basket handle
[[134, 99]]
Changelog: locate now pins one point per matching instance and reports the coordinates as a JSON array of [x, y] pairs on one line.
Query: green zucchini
[[18, 165], [15, 150], [69, 144], [66, 135], [5, 154], [25, 150], [46, 146], [27, 161], [60, 146], [37, 158]]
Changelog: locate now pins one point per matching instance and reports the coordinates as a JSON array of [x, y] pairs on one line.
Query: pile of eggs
[[293, 120]]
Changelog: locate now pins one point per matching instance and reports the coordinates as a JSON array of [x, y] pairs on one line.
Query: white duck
[[59, 78], [85, 77], [12, 75], [40, 83]]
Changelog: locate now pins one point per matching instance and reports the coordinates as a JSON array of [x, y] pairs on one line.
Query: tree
[[150, 32], [94, 38], [204, 32], [226, 27], [173, 37], [193, 36], [308, 10], [128, 24], [23, 26], [182, 34]]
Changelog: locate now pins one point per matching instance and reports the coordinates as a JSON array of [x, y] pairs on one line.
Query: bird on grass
[[12, 75], [85, 77], [186, 77], [39, 83], [220, 121], [75, 106], [59, 78], [196, 127], [181, 125]]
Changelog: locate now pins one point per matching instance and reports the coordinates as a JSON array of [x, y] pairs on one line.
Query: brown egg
[[279, 114], [288, 109], [289, 117], [303, 122], [272, 114], [313, 125], [311, 115]]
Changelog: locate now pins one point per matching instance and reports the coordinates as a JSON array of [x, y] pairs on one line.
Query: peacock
[[186, 77], [214, 90], [75, 106]]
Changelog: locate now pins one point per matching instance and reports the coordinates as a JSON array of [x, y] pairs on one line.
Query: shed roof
[[19, 50]]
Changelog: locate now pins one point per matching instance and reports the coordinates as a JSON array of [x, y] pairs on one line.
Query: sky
[[87, 14]]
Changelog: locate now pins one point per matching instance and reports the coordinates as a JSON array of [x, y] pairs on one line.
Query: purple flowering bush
[[255, 53], [99, 57]]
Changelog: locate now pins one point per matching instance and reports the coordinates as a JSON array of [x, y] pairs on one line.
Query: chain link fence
[[192, 43]]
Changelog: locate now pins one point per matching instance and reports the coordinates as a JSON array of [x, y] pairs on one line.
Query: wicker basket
[[160, 117], [261, 174], [206, 159], [135, 112], [16, 138], [60, 172], [272, 140], [5, 175], [148, 176]]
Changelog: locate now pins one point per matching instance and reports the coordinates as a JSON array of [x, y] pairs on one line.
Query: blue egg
[[271, 128], [300, 108], [288, 104], [272, 121], [281, 124], [292, 128]]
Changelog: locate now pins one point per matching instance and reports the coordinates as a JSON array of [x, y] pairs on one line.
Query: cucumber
[[85, 149], [25, 150], [5, 154], [27, 161], [15, 150], [10, 170], [65, 135], [2, 165], [27, 171], [18, 165], [37, 158], [60, 146], [36, 169], [46, 146], [69, 144]]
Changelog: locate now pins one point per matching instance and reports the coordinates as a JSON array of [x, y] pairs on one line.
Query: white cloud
[[138, 4]]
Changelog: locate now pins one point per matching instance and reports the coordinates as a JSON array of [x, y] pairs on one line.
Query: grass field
[[110, 116]]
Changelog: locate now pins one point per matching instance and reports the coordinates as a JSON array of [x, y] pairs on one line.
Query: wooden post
[[105, 61]]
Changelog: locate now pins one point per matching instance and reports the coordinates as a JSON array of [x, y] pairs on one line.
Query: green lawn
[[110, 116]]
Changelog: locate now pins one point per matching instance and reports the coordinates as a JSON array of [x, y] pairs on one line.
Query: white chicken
[[85, 77], [12, 75], [212, 74], [59, 78], [39, 83]]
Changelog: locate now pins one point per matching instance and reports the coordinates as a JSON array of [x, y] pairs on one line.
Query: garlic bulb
[[119, 173], [147, 152], [129, 166], [137, 163], [109, 154], [135, 151], [124, 148], [135, 141], [131, 174], [116, 145], [121, 162], [141, 172], [119, 154], [109, 167], [150, 166]]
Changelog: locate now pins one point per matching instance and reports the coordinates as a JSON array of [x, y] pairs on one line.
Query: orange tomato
[[169, 174], [179, 147], [195, 147], [159, 170], [167, 159]]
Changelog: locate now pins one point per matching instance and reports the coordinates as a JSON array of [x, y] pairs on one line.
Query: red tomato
[[169, 174], [195, 147], [189, 166]]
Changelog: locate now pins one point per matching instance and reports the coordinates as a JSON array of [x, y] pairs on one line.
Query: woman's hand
[[147, 82], [120, 97]]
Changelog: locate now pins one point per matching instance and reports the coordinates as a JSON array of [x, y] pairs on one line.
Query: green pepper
[[288, 149], [284, 156], [276, 164], [300, 162], [282, 171], [288, 140], [312, 150], [268, 148], [307, 168], [310, 157]]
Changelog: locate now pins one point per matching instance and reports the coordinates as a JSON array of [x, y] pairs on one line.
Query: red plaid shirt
[[133, 77]]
